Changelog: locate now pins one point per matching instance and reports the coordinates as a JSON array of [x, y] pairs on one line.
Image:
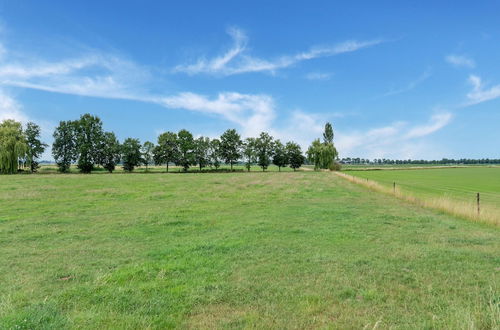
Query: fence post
[[478, 205]]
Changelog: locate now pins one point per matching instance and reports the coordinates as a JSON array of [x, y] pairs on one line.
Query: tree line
[[84, 142], [444, 161]]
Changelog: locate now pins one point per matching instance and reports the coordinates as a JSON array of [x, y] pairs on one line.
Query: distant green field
[[236, 250], [461, 184]]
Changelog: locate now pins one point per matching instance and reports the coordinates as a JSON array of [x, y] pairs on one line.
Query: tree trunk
[[231, 166], [279, 168], [167, 167]]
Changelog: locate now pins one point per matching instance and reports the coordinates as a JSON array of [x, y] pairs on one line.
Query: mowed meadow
[[264, 250], [453, 187]]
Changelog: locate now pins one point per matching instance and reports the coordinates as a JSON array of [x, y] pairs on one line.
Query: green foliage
[[89, 135], [230, 146], [13, 146], [264, 145], [249, 152], [167, 150], [323, 155], [214, 153], [64, 146], [202, 151], [110, 151], [294, 154], [147, 153], [186, 149], [280, 156], [131, 154], [328, 134], [35, 147]]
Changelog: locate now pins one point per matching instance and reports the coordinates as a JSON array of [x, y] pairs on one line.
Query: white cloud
[[10, 109], [318, 76], [460, 61], [479, 94], [236, 59], [400, 140], [254, 113], [436, 122]]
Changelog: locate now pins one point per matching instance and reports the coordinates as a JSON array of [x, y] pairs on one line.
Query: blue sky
[[397, 80]]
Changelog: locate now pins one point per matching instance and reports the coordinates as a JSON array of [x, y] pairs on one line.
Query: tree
[[201, 151], [214, 153], [167, 150], [147, 153], [110, 151], [294, 154], [13, 146], [264, 148], [186, 153], [131, 154], [322, 155], [35, 147], [249, 153], [64, 146], [89, 135], [328, 134], [280, 157], [230, 145]]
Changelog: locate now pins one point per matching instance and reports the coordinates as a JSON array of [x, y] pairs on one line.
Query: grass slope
[[266, 250]]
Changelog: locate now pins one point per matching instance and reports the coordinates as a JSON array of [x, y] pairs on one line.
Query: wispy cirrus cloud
[[318, 76], [460, 61], [237, 60], [479, 94], [411, 85]]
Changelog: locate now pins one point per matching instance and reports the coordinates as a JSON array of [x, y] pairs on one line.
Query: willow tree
[[12, 146], [323, 155]]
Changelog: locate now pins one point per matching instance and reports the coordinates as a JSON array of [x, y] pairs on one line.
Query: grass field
[[263, 250], [459, 184]]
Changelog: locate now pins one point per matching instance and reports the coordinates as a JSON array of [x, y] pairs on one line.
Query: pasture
[[263, 250], [459, 184]]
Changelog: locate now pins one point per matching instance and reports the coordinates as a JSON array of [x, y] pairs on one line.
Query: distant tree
[[264, 148], [131, 154], [186, 149], [249, 152], [35, 147], [64, 146], [167, 150], [328, 134], [280, 156], [294, 154], [214, 153], [230, 145], [110, 151], [89, 135], [147, 153], [13, 146], [202, 151]]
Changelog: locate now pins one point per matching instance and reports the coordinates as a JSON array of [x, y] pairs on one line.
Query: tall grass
[[458, 208]]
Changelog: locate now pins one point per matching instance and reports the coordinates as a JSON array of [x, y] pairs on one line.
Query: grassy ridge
[[266, 250]]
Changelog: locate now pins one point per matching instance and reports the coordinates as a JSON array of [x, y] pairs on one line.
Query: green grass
[[236, 250], [461, 184]]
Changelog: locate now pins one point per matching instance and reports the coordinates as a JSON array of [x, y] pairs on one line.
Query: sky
[[405, 80]]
